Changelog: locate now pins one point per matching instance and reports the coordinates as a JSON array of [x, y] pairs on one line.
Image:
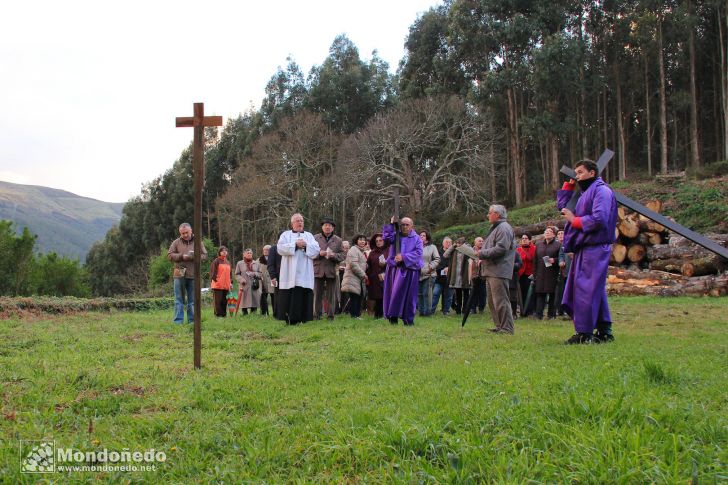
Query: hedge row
[[56, 305]]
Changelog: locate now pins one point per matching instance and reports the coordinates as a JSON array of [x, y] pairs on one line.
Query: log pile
[[621, 281], [686, 258], [635, 234]]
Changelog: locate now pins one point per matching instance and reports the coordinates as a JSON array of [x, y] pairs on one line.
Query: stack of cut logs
[[643, 243], [635, 234]]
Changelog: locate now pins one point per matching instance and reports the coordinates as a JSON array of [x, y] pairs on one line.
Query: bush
[[701, 207], [56, 275], [55, 305], [712, 170], [160, 270]]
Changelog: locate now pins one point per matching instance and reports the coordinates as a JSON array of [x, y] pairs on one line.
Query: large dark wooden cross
[[640, 209], [397, 237], [199, 121]]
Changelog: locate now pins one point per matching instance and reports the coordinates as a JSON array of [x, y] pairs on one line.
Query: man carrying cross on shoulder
[[589, 234]]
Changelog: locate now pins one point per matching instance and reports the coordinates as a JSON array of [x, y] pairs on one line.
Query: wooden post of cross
[[199, 121]]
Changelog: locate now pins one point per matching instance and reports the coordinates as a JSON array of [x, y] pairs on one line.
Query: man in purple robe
[[402, 277], [589, 234]]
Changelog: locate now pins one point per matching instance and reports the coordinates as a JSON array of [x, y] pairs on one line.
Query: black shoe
[[580, 338], [393, 320], [603, 338], [409, 324], [494, 330]]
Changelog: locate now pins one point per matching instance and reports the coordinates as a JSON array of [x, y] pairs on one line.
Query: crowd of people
[[400, 272]]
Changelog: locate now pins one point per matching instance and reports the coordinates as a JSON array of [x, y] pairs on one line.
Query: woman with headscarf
[[249, 275]]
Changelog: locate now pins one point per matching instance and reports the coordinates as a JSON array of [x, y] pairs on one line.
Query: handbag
[[256, 284]]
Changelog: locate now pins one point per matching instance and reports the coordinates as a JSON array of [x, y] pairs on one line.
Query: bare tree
[[284, 174], [438, 151]]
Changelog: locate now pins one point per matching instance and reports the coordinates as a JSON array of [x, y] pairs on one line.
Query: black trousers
[[541, 303], [354, 305], [219, 298], [264, 303], [461, 299], [479, 297]]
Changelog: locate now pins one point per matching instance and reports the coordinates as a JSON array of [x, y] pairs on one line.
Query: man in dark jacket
[[331, 253], [274, 264]]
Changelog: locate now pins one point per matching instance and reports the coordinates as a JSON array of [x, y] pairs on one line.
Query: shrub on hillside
[[712, 170], [54, 305]]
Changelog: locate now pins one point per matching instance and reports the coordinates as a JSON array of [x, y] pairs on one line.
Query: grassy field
[[363, 401]]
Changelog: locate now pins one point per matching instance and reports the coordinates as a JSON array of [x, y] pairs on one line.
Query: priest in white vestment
[[297, 249]]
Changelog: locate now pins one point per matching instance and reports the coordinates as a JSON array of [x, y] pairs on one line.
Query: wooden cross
[[604, 159], [640, 209], [199, 121], [397, 237]]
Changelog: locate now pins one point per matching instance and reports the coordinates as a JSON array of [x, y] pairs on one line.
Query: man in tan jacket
[[181, 253]]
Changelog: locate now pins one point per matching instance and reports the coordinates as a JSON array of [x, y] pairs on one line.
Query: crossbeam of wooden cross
[[659, 218], [199, 121]]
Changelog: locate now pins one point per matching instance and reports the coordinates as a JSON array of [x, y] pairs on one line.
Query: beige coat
[[248, 297], [356, 267]]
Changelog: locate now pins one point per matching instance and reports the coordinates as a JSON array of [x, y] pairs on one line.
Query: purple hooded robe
[[401, 281], [585, 295]]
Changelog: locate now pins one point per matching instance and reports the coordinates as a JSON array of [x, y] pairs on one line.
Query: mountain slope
[[64, 222]]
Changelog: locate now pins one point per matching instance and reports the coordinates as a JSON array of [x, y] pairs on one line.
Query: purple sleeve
[[562, 198], [412, 259], [601, 208]]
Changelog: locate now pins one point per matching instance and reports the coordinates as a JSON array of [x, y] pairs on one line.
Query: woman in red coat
[[527, 251]]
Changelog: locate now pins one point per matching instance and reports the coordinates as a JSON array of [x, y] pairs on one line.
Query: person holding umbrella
[[497, 258]]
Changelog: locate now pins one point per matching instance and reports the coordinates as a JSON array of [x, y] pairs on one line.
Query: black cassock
[[295, 305]]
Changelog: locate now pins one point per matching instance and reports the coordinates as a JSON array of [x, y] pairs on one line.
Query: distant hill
[[64, 222]]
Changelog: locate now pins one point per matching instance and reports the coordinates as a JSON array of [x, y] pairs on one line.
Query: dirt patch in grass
[[129, 389], [135, 337]]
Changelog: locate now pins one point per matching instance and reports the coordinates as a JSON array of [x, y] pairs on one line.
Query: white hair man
[[497, 256], [297, 249]]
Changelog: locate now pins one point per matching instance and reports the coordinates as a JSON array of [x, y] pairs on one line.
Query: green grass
[[362, 401]]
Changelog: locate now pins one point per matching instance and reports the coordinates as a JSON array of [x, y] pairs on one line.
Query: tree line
[[490, 99]]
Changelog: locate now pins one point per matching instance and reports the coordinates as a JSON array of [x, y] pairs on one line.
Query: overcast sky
[[90, 89]]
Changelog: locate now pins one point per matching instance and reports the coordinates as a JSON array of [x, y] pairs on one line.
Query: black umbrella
[[466, 310]]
